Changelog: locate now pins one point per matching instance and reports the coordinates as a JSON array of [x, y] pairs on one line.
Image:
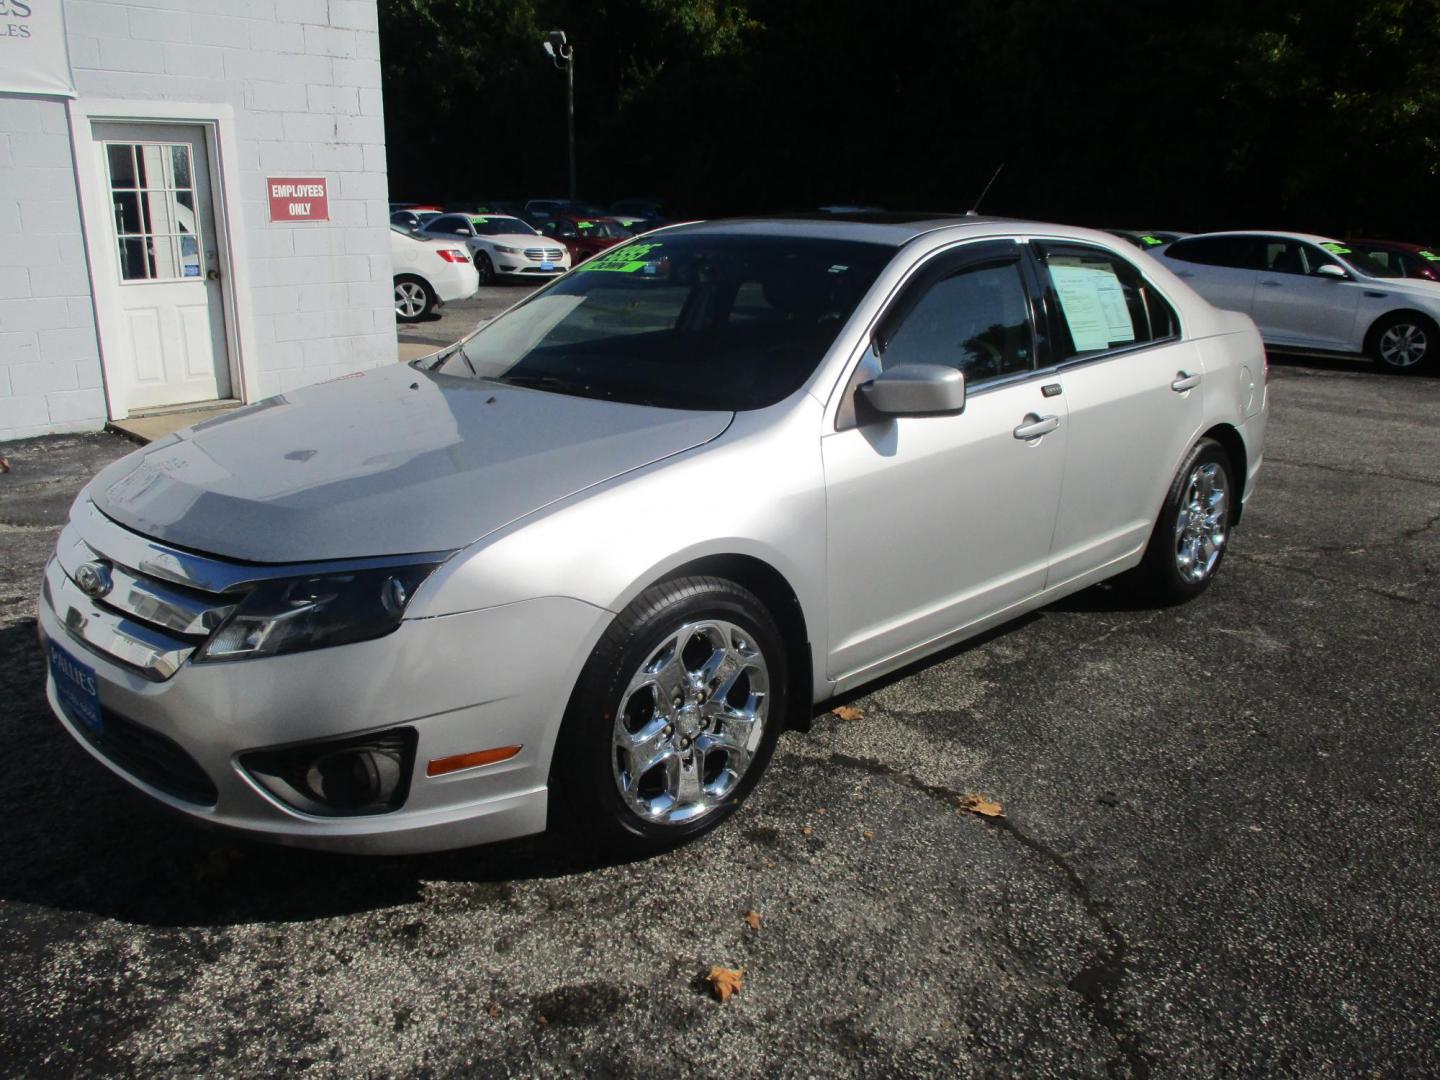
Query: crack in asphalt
[[1428, 481], [1096, 982], [1273, 563]]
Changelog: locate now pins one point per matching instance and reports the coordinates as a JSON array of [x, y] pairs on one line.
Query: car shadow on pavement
[[77, 838]]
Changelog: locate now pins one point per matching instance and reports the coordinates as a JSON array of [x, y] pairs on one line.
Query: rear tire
[[414, 299], [484, 268], [674, 717], [1192, 532], [1404, 343]]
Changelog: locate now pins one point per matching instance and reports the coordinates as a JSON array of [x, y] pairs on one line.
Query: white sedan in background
[[502, 245], [428, 273], [1313, 294]]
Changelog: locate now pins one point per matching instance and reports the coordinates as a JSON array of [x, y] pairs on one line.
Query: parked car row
[[634, 215]]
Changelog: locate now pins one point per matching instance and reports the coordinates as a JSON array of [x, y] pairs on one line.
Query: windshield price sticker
[[1336, 249], [623, 260], [1430, 256], [1151, 241]]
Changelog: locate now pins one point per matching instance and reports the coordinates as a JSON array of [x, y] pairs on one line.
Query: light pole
[[563, 56]]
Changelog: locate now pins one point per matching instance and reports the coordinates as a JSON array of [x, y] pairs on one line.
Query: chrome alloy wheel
[[1403, 345], [1202, 526], [410, 299], [690, 722]]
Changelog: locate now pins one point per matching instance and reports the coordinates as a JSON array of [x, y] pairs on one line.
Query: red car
[[1402, 260], [585, 236]]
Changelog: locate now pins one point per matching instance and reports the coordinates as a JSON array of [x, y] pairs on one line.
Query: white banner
[[33, 55]]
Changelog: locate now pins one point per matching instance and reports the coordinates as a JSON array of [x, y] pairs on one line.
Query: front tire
[[1404, 343], [674, 717], [414, 299], [1193, 531]]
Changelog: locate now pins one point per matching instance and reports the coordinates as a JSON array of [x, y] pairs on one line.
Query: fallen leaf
[[4, 464], [847, 712], [868, 834], [752, 920], [541, 1020], [494, 1010], [725, 981], [807, 831], [978, 804]]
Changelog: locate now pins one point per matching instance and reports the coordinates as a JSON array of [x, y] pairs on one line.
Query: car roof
[[890, 228], [1309, 238], [1399, 245]]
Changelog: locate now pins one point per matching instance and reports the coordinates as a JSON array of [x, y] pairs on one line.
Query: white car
[[502, 245], [1313, 294], [428, 273], [591, 560]]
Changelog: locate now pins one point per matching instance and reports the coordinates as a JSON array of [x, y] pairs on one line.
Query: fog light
[[369, 774]]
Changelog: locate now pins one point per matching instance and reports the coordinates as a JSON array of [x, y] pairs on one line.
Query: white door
[[164, 257], [1134, 405], [937, 522], [1295, 305]]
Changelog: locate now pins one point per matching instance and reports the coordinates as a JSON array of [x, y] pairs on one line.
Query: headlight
[[292, 614], [503, 250]]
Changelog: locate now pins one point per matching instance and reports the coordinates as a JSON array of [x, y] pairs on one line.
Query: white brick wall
[[303, 77]]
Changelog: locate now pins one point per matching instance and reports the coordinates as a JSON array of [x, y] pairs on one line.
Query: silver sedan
[[588, 564]]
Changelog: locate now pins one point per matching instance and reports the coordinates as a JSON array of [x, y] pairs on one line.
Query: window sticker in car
[[1430, 256], [479, 220], [1093, 302], [586, 224], [1335, 249], [1151, 241], [621, 260]]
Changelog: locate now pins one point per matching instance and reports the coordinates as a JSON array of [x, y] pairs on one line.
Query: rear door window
[[1101, 302], [1236, 252]]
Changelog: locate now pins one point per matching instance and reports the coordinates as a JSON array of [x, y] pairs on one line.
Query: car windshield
[[606, 229], [492, 225], [690, 322]]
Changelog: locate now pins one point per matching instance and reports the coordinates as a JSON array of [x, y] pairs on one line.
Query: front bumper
[[495, 677]]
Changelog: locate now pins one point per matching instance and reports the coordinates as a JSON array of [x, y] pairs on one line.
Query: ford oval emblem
[[94, 579]]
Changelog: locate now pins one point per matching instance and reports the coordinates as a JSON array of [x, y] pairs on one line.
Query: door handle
[[212, 275], [1184, 381], [1270, 283], [1035, 426]]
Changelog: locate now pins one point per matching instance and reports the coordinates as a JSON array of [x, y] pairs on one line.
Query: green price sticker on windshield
[[1151, 241], [1429, 256], [621, 260], [585, 224], [1336, 249], [478, 220]]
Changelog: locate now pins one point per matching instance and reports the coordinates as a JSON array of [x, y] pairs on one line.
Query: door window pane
[[157, 229], [976, 320], [1104, 303]]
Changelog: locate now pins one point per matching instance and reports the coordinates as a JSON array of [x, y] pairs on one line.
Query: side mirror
[[1333, 272], [916, 390]]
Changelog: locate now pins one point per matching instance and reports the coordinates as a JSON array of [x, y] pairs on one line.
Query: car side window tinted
[[1281, 257], [449, 223], [1236, 252], [1317, 257], [976, 319], [1103, 303]]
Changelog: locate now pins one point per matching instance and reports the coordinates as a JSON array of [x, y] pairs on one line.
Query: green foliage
[[1142, 112]]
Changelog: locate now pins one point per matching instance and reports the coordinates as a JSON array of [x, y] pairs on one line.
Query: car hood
[[518, 240], [386, 462]]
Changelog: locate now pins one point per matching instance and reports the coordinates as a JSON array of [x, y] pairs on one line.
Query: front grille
[[544, 254], [145, 620], [150, 757]]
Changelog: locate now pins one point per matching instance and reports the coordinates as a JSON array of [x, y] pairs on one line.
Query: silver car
[[1314, 294], [592, 561]]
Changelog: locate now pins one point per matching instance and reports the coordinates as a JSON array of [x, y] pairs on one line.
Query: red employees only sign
[[298, 198]]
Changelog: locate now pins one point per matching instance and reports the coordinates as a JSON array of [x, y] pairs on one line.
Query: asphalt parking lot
[[1218, 857]]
